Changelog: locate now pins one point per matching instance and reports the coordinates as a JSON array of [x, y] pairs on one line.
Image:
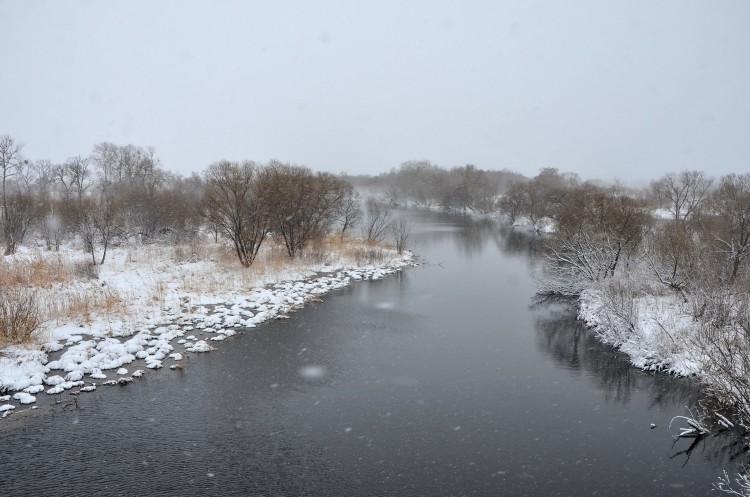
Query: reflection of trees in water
[[571, 344], [727, 449], [511, 241], [467, 233], [471, 234]]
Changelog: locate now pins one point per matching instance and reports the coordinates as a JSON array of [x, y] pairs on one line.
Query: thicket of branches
[[688, 236], [119, 193], [249, 201], [116, 192]]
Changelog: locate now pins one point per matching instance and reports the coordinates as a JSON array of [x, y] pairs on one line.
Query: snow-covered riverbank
[[657, 332], [151, 310]]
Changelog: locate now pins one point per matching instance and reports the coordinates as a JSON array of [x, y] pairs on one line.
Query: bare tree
[[596, 231], [100, 223], [234, 203], [683, 193], [514, 203], [108, 223], [44, 172], [75, 177], [20, 213], [673, 254], [350, 210], [304, 205], [377, 222], [728, 223], [105, 158], [11, 163], [400, 230]]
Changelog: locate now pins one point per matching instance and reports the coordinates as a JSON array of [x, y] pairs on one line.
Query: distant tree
[[75, 177], [44, 178], [11, 164], [350, 210], [20, 213], [683, 193], [727, 225], [100, 223], [515, 201], [400, 230], [377, 222], [105, 157]]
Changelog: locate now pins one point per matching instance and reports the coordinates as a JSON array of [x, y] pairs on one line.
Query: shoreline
[[183, 308]]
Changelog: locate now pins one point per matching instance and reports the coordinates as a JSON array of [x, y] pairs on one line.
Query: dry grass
[[66, 290], [353, 249], [37, 272], [83, 305]]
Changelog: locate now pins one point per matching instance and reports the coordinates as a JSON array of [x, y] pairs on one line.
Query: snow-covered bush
[[726, 485], [724, 342]]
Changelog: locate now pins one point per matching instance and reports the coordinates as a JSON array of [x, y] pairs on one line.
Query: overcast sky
[[625, 89]]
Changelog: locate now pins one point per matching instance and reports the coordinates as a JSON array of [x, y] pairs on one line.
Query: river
[[442, 380]]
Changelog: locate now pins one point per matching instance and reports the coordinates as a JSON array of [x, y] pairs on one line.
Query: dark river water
[[442, 380]]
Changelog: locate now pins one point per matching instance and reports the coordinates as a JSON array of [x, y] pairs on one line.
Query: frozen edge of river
[[191, 323]]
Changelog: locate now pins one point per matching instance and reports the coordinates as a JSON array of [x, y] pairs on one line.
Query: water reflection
[[572, 345], [436, 381], [470, 234], [516, 242]]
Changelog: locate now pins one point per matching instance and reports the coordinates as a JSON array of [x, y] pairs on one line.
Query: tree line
[[121, 192], [686, 235], [463, 188]]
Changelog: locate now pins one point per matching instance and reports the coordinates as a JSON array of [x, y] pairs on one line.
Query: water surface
[[442, 380]]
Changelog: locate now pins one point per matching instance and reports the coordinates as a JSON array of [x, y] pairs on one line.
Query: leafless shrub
[[365, 256], [672, 253], [20, 318], [317, 254], [622, 312], [726, 485], [723, 342], [378, 221], [400, 231], [349, 210]]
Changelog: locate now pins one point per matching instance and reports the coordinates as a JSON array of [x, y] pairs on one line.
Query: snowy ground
[[661, 335], [146, 306]]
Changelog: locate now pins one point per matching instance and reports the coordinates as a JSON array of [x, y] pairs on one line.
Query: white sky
[[625, 89]]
